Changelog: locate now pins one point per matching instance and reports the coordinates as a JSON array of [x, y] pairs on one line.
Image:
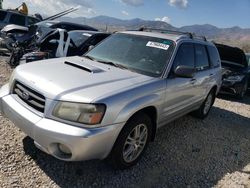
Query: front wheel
[[132, 142]]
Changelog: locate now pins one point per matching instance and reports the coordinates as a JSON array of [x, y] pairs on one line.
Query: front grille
[[29, 96]]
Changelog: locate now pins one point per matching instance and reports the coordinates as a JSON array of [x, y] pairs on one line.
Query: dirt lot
[[186, 153]]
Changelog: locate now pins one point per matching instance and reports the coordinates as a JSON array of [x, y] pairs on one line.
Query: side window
[[184, 56], [2, 15], [201, 57], [17, 19], [214, 56]]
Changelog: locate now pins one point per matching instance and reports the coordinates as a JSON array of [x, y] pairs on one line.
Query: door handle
[[210, 75]]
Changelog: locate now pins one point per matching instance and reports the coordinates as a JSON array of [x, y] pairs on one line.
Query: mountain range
[[234, 36]]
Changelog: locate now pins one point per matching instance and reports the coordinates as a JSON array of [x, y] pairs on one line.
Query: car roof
[[171, 35]]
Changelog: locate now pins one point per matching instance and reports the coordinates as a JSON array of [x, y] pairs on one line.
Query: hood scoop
[[84, 66]]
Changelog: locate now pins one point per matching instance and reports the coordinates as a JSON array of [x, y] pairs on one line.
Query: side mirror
[[91, 47], [184, 71]]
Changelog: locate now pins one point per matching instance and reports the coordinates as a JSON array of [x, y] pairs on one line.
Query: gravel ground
[[214, 152]]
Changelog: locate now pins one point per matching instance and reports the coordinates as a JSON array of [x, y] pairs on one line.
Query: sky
[[221, 13]]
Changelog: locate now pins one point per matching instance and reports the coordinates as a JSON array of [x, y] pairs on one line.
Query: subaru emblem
[[25, 95]]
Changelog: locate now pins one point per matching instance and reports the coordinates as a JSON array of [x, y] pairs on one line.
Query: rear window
[[214, 56], [2, 15], [17, 19]]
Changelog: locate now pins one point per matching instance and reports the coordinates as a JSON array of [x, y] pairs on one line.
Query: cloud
[[134, 3], [125, 13], [50, 7], [164, 19], [178, 3]]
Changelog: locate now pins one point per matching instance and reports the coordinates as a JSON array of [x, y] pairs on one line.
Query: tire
[[127, 151], [243, 91], [12, 60], [205, 108]]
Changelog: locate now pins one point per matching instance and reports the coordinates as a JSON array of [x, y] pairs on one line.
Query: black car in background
[[248, 60], [68, 26], [15, 17], [80, 43], [234, 70]]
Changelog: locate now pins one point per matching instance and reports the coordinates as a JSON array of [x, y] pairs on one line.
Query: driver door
[[180, 92]]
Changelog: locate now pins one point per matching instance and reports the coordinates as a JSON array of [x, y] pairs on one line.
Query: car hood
[[231, 56], [11, 27], [77, 79]]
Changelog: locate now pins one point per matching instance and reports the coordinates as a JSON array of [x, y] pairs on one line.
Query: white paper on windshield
[[157, 45], [87, 34]]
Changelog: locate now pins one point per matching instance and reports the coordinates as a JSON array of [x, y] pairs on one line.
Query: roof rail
[[190, 35]]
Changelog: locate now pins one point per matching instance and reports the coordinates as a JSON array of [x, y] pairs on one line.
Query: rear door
[[205, 72], [203, 75]]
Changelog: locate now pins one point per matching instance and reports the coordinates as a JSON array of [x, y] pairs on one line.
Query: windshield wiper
[[108, 63], [89, 57], [114, 64]]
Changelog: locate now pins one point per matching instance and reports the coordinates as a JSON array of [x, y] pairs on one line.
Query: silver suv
[[110, 102]]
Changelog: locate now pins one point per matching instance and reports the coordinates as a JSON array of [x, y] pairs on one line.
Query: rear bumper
[[84, 144]]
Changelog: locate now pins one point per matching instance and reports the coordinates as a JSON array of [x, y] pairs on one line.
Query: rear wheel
[[132, 142], [203, 111]]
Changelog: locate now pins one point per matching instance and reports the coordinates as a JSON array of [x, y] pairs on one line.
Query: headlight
[[90, 114], [12, 78], [234, 78]]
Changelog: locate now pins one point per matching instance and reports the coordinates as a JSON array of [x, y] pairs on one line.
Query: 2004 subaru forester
[[110, 102]]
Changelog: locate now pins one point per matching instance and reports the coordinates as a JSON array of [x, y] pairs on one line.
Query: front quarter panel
[[123, 105]]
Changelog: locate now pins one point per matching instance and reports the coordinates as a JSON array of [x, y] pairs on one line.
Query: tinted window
[[2, 15], [17, 19], [32, 21], [184, 56], [214, 56], [142, 54], [201, 57], [79, 37]]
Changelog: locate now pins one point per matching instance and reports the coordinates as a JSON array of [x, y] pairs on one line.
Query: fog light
[[64, 149]]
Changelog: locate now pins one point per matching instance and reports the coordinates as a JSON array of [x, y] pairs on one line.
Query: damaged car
[[248, 60], [234, 71], [79, 43]]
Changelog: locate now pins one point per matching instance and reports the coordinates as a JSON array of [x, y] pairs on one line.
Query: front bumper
[[84, 144], [231, 87]]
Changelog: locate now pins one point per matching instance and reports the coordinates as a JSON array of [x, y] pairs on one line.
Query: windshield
[[79, 37], [143, 54]]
